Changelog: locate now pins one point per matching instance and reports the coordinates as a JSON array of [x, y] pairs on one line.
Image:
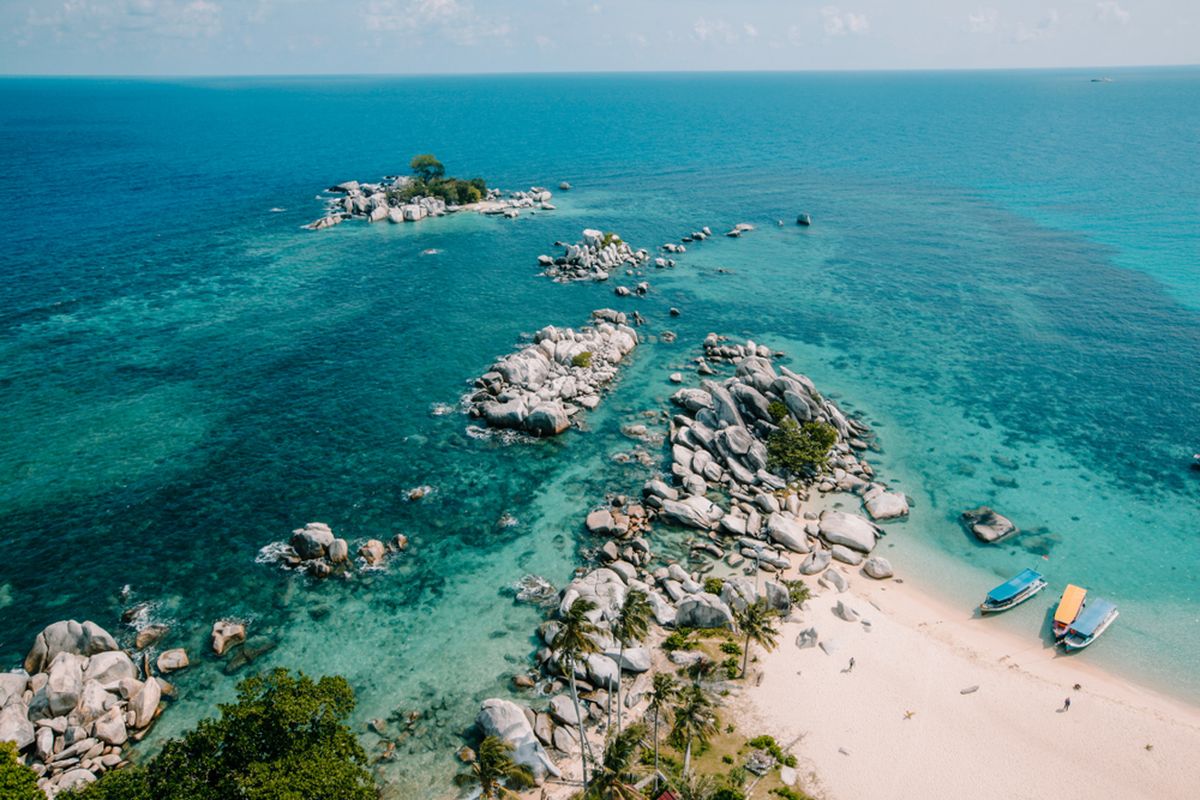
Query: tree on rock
[[798, 449], [285, 737], [17, 781], [492, 766], [427, 167]]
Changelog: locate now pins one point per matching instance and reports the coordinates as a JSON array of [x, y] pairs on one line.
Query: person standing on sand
[[1066, 704], [851, 667]]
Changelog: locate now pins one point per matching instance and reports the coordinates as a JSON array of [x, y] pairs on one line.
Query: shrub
[[713, 585], [731, 667], [610, 238], [583, 359], [678, 640], [17, 781], [788, 793], [797, 590], [768, 743], [727, 793], [778, 411], [731, 648], [800, 449], [427, 167], [726, 759], [285, 737]]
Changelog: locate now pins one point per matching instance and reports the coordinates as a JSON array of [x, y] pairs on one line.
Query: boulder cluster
[[987, 525], [380, 201], [593, 258], [315, 549], [77, 702], [538, 388]]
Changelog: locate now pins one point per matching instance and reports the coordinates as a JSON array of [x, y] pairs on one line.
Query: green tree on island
[[493, 764], [756, 623], [427, 168], [695, 721], [614, 779], [573, 643], [17, 781], [631, 626], [795, 448], [284, 739], [663, 691]]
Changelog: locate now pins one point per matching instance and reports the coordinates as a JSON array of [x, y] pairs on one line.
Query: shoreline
[[1007, 738]]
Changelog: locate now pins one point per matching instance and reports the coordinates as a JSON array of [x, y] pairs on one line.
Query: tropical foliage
[[17, 781], [429, 180], [800, 449], [573, 643], [284, 739], [492, 767], [756, 622]]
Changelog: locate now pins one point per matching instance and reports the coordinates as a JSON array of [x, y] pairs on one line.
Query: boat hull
[[1072, 643], [986, 608]]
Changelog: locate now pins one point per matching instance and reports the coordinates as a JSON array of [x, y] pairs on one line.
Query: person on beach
[[1066, 704], [851, 667]]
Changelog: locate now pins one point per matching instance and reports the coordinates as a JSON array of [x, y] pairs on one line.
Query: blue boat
[[1094, 620], [1013, 592]]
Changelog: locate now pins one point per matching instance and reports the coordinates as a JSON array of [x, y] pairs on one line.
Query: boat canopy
[[1068, 607], [1096, 612], [1014, 586]]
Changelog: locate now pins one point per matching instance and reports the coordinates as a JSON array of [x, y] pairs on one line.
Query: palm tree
[[492, 765], [701, 669], [614, 781], [695, 721], [631, 625], [663, 692], [573, 642], [756, 623]]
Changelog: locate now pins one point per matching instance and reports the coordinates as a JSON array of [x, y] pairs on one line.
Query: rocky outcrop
[[507, 721], [849, 530], [987, 525], [316, 550], [703, 610], [80, 704], [540, 387], [594, 258], [388, 199]]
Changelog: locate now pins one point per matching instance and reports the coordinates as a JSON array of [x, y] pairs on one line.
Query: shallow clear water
[[1002, 278]]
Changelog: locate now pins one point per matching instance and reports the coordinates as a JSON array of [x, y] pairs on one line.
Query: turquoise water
[[1003, 278]]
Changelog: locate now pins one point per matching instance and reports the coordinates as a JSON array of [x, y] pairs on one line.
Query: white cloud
[[985, 20], [835, 23], [451, 19], [712, 31], [1044, 28], [1111, 12], [750, 30]]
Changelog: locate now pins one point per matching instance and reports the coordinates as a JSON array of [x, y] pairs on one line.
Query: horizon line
[[566, 73]]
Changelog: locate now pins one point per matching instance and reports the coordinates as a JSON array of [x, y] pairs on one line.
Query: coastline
[[1008, 738]]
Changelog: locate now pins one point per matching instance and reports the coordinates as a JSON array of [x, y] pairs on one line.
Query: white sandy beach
[[1006, 740]]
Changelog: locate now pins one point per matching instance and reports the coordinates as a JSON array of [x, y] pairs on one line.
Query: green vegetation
[[769, 744], [730, 665], [731, 648], [788, 793], [575, 641], [778, 411], [429, 180], [285, 737], [713, 585], [614, 779], [583, 359], [695, 722], [493, 766], [798, 591], [677, 640], [727, 793], [756, 623], [17, 781], [800, 449], [631, 626], [609, 238]]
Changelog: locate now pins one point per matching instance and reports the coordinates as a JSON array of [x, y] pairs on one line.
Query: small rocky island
[[427, 192], [593, 258], [538, 388]]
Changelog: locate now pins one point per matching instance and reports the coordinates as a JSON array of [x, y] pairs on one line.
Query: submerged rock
[[987, 525]]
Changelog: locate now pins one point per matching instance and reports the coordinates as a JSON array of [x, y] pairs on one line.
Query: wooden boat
[[1068, 609], [1014, 591], [1091, 622]]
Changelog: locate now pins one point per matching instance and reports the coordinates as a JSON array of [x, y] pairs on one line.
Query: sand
[[898, 725]]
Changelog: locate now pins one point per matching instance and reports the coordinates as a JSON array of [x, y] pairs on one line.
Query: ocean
[[1002, 278]]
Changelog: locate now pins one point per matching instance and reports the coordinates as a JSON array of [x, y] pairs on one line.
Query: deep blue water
[[1004, 278]]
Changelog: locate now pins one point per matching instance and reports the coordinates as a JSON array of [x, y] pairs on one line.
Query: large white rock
[[602, 671], [15, 726], [703, 610], [144, 703], [73, 779], [663, 610], [850, 530], [602, 586], [12, 686], [693, 512], [788, 532], [312, 540], [633, 659], [878, 567], [64, 683], [109, 668], [67, 636], [507, 721], [93, 702], [881, 504], [547, 419], [562, 708], [110, 728]]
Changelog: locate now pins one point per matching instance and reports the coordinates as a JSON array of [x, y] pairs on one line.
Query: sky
[[252, 37]]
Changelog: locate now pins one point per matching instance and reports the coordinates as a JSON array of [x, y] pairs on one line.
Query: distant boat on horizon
[[1093, 621], [1014, 591], [1102, 80]]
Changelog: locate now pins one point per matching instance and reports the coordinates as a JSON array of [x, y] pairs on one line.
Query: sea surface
[[1003, 278]]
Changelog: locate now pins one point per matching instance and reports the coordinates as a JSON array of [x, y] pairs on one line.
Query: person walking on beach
[[851, 667], [1066, 704]]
